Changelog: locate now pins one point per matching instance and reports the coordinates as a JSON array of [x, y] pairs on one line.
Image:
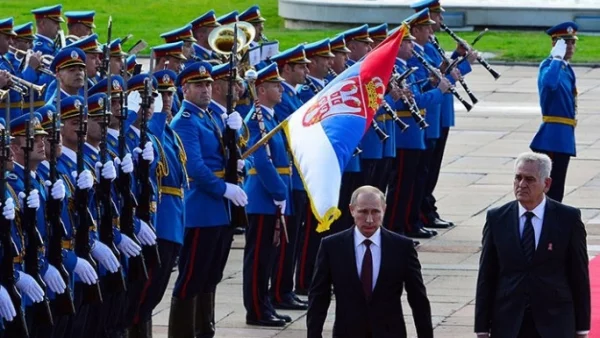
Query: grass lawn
[[147, 19]]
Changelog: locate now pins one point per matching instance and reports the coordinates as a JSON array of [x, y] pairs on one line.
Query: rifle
[[115, 281], [35, 244], [62, 303], [146, 190], [17, 327], [84, 220], [239, 218], [137, 267]]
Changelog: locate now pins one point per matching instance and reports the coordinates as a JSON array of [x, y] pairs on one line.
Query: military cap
[[228, 18], [566, 30], [68, 57], [96, 104], [207, 19], [70, 107], [292, 55], [25, 31], [50, 12], [18, 126], [116, 49], [47, 113], [6, 27], [268, 74], [83, 17], [136, 83], [407, 36], [88, 44], [378, 32], [174, 49], [251, 15], [319, 48], [179, 34], [338, 44], [420, 18], [131, 63], [433, 5], [101, 87], [221, 72], [166, 80], [360, 33], [196, 72]]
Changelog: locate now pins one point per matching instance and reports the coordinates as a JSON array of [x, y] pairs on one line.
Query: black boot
[[205, 315], [145, 329], [181, 318]]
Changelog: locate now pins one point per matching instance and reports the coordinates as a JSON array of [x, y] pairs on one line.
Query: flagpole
[[263, 140]]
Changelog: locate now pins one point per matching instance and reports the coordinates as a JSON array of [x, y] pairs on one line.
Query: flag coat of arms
[[324, 132]]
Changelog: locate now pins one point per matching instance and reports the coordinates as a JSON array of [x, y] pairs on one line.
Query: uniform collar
[[42, 37], [135, 130], [319, 81], [113, 132], [287, 86], [267, 109], [94, 149], [33, 175], [71, 155], [419, 47], [402, 61]]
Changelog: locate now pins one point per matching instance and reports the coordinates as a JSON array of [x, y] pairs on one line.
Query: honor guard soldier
[[558, 100], [7, 34], [421, 29], [69, 65], [409, 146], [252, 15], [182, 34], [166, 88], [85, 273], [47, 22], [79, 25], [208, 232], [116, 57], [26, 164], [170, 217], [202, 26], [339, 49], [268, 185], [378, 34], [320, 56], [228, 18], [132, 67], [292, 65], [358, 41], [169, 56]]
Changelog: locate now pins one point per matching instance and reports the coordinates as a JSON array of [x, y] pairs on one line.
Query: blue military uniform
[[338, 45], [6, 28], [558, 99], [42, 43], [67, 57], [85, 18], [209, 20]]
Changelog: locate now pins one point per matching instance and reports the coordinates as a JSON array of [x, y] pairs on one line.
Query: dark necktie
[[366, 272], [528, 237]]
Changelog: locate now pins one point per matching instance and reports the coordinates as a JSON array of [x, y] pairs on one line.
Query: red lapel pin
[[549, 246]]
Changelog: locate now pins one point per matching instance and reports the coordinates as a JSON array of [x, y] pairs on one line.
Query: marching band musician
[[207, 236], [338, 64], [47, 22], [185, 35], [292, 64], [169, 56], [202, 26], [252, 15], [268, 185], [27, 65], [6, 68], [79, 24]]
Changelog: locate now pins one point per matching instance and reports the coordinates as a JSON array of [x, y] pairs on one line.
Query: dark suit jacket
[[555, 284], [354, 315]]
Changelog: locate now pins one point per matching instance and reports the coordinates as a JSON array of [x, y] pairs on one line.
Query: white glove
[[134, 100], [54, 280], [102, 253], [7, 308], [235, 194], [85, 271], [58, 189], [234, 121], [158, 104], [126, 164], [147, 153], [281, 205], [559, 50], [128, 247], [108, 170], [146, 235], [9, 209], [30, 287], [85, 180], [240, 165], [33, 200]]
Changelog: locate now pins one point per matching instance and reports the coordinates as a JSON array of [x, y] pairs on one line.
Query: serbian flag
[[326, 130]]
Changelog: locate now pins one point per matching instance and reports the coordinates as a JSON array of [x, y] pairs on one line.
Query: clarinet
[[388, 110], [480, 59], [448, 69], [400, 81], [434, 72]]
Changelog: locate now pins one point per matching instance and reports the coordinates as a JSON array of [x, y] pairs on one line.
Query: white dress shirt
[[360, 248], [537, 220]]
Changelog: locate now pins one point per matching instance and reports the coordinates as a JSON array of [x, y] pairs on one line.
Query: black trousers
[[428, 206], [282, 277], [202, 260], [78, 323], [308, 246], [259, 257], [401, 190], [560, 164], [158, 279], [423, 173], [350, 182]]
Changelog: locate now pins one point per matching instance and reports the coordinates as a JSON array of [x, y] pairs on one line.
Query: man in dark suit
[[368, 267], [533, 273]]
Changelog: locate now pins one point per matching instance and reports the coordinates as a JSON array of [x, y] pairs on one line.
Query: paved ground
[[476, 175]]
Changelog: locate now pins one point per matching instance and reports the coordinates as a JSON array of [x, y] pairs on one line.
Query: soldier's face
[[116, 64], [299, 73], [358, 49], [115, 107], [405, 51], [49, 28], [319, 66], [260, 28], [339, 62], [438, 18], [94, 128], [5, 41], [199, 93], [570, 49], [39, 148], [188, 49], [272, 93], [92, 63], [23, 44], [174, 65], [58, 148], [72, 77], [80, 30], [167, 98], [69, 131]]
